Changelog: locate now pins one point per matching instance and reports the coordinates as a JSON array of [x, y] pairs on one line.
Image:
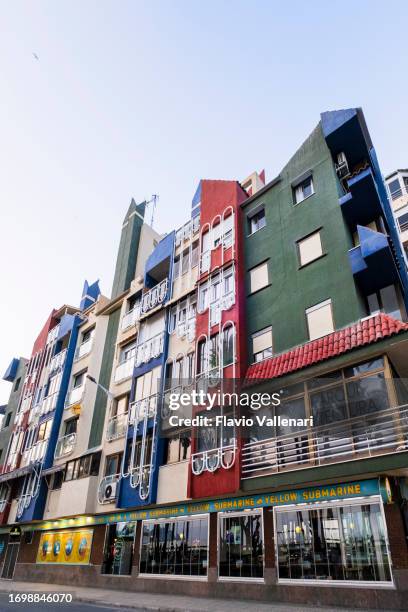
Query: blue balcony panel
[[372, 262], [158, 263], [362, 203], [346, 131], [11, 371]]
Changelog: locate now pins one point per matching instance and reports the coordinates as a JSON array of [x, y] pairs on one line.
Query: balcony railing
[[149, 349], [65, 445], [107, 490], [35, 453], [26, 403], [187, 230], [58, 360], [154, 296], [187, 328], [75, 396], [52, 335], [49, 403], [117, 426], [212, 460], [130, 318], [125, 369], [83, 349], [141, 408], [379, 433]]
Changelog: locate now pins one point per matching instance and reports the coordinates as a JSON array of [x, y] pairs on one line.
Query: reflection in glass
[[241, 546]]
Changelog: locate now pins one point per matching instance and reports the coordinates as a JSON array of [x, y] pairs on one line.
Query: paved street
[[100, 600]]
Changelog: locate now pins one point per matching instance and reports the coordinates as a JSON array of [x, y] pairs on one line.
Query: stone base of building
[[267, 591]]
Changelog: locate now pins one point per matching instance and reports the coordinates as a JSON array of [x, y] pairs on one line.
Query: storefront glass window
[[241, 546], [342, 543], [175, 547], [118, 552]]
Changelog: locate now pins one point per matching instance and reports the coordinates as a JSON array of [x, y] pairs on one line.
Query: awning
[[52, 470], [16, 473]]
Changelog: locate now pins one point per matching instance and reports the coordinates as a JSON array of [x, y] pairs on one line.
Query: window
[[320, 320], [185, 261], [395, 189], [310, 248], [176, 267], [127, 352], [83, 467], [179, 447], [119, 547], [228, 231], [57, 480], [402, 219], [228, 346], [386, 300], [175, 547], [17, 384], [262, 344], [132, 301], [256, 220], [303, 190], [113, 464], [8, 419], [79, 379], [194, 254], [203, 297], [241, 545], [258, 277], [217, 235], [341, 543], [120, 405], [88, 335], [71, 426]]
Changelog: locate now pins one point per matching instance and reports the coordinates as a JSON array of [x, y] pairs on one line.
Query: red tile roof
[[359, 334]]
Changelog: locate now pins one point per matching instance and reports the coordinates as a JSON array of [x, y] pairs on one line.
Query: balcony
[[49, 403], [150, 349], [124, 369], [187, 231], [53, 334], [75, 396], [381, 433], [107, 490], [25, 404], [117, 427], [187, 328], [65, 445], [4, 496], [372, 262], [130, 318], [362, 203], [58, 361], [83, 349], [154, 297], [144, 408], [35, 453], [212, 460]]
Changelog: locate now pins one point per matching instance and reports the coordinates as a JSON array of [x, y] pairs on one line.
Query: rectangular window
[[303, 190], [258, 277], [176, 267], [17, 384], [395, 189], [310, 248], [79, 379], [175, 547], [262, 344], [386, 300], [194, 254], [241, 545], [119, 547], [185, 262], [403, 221], [179, 447], [127, 352], [337, 543], [203, 297], [256, 221], [217, 235], [88, 335], [320, 320]]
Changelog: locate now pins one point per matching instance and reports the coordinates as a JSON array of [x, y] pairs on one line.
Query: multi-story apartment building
[[397, 185], [298, 288]]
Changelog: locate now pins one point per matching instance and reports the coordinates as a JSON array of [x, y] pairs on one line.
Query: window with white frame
[[402, 218], [258, 277], [241, 546], [303, 190], [310, 248], [127, 352], [320, 320], [256, 220], [228, 231], [395, 189], [262, 344]]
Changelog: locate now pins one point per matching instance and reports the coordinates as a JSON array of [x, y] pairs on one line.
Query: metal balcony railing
[[35, 453], [52, 335], [65, 445], [139, 409], [117, 426], [374, 434], [213, 459], [83, 349], [187, 230], [25, 404], [125, 369], [187, 328], [49, 403], [58, 361], [107, 489], [149, 349], [154, 296], [130, 318]]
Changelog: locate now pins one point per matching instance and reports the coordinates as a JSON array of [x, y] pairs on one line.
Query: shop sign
[[65, 547]]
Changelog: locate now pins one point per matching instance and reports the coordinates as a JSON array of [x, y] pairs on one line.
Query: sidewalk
[[157, 602]]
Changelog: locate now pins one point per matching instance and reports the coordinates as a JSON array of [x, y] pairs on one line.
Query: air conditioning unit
[[109, 491], [342, 168]]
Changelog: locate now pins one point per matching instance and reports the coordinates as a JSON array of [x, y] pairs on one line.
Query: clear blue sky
[[134, 98]]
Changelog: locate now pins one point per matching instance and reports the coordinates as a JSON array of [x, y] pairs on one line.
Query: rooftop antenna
[[153, 200]]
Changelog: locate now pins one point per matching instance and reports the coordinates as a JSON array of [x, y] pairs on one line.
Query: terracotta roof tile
[[359, 334]]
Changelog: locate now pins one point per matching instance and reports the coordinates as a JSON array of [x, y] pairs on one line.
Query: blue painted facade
[[11, 371]]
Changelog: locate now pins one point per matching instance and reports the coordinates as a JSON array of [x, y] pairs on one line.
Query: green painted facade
[[293, 289], [12, 405]]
